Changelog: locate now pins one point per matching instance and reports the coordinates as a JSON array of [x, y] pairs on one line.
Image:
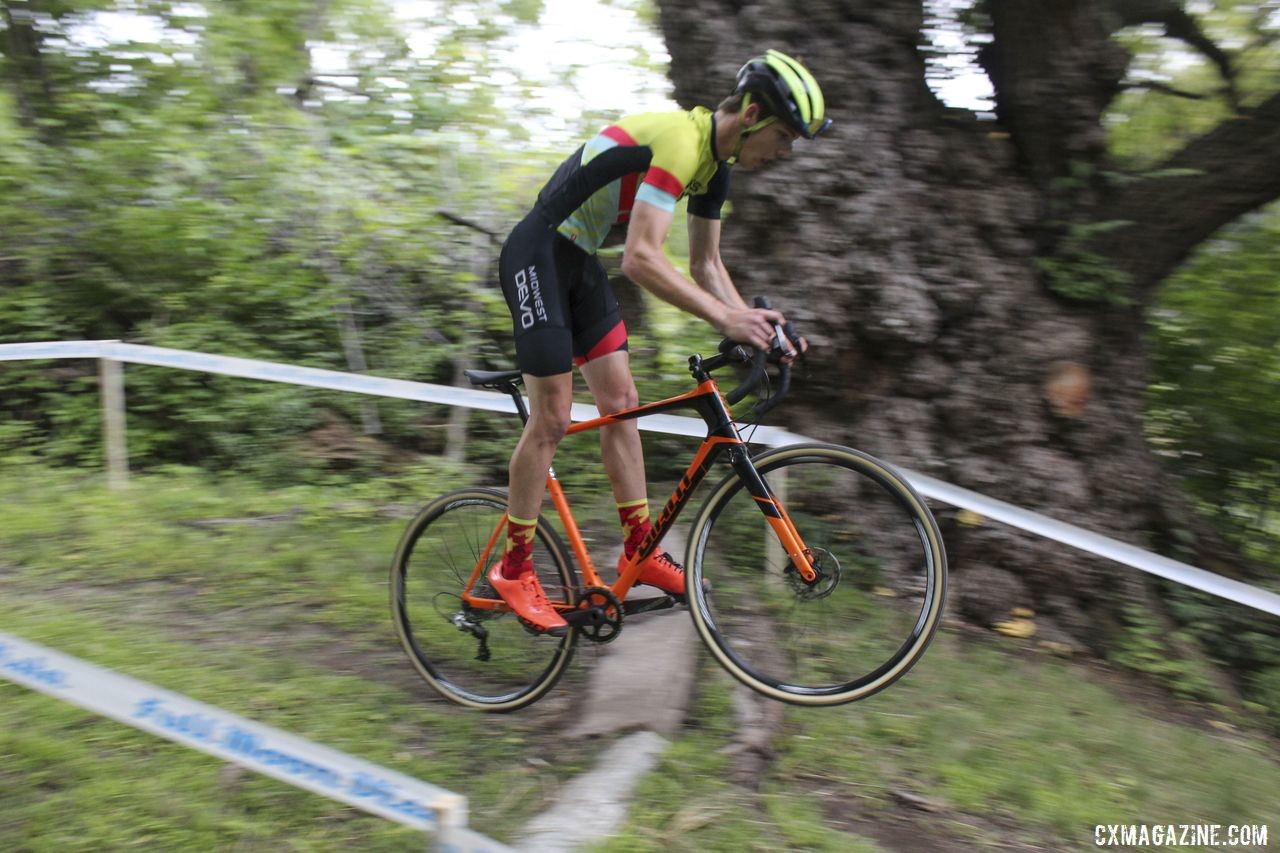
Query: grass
[[991, 748], [287, 623]]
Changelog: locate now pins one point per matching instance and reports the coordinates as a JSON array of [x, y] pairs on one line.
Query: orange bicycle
[[815, 573]]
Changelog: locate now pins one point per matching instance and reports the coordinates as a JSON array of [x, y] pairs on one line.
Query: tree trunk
[[905, 244], [28, 77]]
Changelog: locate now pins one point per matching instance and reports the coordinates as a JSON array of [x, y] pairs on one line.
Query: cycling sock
[[635, 524], [518, 556]]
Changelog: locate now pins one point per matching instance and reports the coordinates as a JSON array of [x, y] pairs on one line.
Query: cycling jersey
[[563, 308], [657, 158]]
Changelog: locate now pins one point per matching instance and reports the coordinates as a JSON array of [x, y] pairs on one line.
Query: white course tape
[[1076, 537]]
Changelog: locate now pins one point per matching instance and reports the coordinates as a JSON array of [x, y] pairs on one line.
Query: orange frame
[[722, 435]]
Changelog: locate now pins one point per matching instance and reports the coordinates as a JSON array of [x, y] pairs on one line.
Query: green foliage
[[220, 191], [1214, 397], [1076, 272], [1144, 647], [1211, 413], [260, 180], [1214, 403], [1266, 692], [1244, 641]]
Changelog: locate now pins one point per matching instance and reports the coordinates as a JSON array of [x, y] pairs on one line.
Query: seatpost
[[514, 391]]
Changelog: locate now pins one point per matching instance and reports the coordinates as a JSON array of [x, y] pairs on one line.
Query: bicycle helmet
[[787, 89]]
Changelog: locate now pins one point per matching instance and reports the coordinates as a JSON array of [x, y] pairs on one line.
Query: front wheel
[[457, 632], [864, 620]]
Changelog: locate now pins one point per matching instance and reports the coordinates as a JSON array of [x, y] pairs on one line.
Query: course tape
[[1084, 540], [1068, 534], [258, 747]]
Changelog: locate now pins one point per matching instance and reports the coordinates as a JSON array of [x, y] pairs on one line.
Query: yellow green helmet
[[788, 89]]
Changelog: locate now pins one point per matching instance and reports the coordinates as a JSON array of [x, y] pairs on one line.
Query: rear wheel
[[476, 654], [878, 597]]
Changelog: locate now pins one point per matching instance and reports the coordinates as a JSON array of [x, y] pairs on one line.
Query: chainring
[[597, 614]]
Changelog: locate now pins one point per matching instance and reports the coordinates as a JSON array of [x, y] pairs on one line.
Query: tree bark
[[906, 244]]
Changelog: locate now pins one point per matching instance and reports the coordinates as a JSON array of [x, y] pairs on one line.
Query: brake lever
[[794, 337], [786, 341]]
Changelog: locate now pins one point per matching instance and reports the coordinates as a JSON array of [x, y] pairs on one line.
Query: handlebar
[[785, 341]]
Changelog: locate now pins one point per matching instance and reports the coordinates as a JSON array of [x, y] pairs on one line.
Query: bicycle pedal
[[633, 606], [585, 617]]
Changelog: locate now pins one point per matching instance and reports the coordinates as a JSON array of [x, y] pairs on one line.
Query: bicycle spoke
[[479, 658], [870, 612]]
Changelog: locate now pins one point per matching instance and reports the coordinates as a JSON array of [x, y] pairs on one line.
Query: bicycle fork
[[775, 513]]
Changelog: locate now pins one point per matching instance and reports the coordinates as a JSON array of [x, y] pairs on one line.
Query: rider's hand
[[753, 326]]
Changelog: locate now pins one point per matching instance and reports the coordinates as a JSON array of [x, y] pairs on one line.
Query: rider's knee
[[550, 424], [618, 399]]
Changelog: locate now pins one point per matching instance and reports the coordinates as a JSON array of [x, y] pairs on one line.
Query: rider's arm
[[708, 269], [705, 263], [645, 263]]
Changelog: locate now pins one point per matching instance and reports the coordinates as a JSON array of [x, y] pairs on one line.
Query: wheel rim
[[868, 617]]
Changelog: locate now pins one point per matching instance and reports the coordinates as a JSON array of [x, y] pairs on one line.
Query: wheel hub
[[828, 576]]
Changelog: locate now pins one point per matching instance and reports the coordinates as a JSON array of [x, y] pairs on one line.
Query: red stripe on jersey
[[664, 180], [627, 191], [613, 341], [627, 197], [618, 135]]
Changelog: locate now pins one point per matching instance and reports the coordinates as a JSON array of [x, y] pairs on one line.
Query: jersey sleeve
[[672, 166], [709, 203]]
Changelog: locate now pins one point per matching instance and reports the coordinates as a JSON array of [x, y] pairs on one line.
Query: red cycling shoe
[[526, 597], [659, 569]]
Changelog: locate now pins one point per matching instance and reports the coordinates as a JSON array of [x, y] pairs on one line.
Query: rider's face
[[766, 145]]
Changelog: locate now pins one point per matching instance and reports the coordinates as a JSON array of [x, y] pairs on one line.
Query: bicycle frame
[[722, 436]]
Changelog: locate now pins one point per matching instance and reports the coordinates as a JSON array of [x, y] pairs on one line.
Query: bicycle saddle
[[487, 378]]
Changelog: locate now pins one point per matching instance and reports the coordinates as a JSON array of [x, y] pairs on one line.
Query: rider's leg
[[550, 400], [534, 283], [535, 289], [614, 389], [513, 576]]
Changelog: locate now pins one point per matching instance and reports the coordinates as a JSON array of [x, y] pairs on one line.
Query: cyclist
[[564, 311]]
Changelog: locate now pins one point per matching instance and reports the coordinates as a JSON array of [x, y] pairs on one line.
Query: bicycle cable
[[751, 421]]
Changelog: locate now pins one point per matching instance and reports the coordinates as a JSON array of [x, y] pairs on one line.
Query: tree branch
[[1157, 86], [1183, 27], [468, 223], [1211, 182]]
